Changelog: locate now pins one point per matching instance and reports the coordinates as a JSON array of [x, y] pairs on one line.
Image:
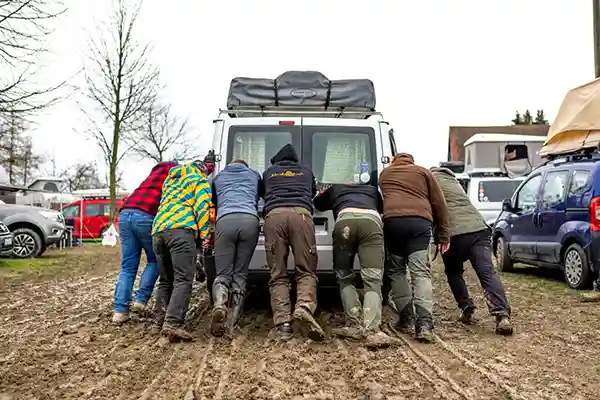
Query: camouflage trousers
[[360, 233]]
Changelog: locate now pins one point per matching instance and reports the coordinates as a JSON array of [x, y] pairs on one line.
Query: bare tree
[[24, 28], [162, 136], [16, 150], [82, 176], [121, 83]]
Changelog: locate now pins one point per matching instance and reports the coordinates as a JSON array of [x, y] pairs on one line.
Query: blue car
[[553, 220]]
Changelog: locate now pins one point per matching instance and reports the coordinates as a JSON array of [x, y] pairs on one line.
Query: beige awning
[[577, 124]]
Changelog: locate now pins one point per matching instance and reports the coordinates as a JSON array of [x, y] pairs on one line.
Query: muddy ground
[[57, 342]]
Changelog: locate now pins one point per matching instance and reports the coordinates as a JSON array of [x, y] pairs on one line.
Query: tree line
[[120, 95]]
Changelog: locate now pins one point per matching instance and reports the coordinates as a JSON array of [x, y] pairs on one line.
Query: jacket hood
[[403, 159], [181, 171], [286, 153], [235, 167], [442, 170]]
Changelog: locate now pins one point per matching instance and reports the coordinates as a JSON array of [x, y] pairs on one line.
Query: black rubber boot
[[218, 322], [237, 306]]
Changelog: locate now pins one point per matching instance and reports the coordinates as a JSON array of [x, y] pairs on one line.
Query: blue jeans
[[135, 231]]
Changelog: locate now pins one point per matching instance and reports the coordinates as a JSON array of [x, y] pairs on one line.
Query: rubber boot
[[218, 322], [237, 306]]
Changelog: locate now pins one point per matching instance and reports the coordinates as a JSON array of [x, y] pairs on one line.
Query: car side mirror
[[507, 205]]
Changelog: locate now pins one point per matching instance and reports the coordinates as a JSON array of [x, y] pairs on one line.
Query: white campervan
[[496, 164], [333, 124]]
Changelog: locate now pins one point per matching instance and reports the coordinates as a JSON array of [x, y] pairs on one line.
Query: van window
[[256, 145], [94, 210], [71, 212], [527, 196], [342, 154], [555, 186], [496, 191], [579, 182]]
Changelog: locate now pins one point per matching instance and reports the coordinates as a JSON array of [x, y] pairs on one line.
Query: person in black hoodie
[[358, 230], [288, 192]]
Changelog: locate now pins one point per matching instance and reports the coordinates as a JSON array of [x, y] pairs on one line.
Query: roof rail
[[580, 155], [264, 112]]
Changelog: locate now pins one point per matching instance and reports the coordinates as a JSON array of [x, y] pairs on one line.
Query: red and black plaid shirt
[[147, 196]]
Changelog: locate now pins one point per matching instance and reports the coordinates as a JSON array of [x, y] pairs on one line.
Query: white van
[[333, 126]]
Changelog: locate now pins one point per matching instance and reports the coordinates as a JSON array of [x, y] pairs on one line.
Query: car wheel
[[576, 267], [503, 261], [26, 243]]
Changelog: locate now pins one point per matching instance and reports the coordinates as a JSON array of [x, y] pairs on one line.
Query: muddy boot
[[218, 321], [237, 306], [120, 318], [591, 297], [281, 332], [424, 334], [503, 326], [380, 340], [348, 332], [466, 316], [305, 318], [138, 308], [175, 334]]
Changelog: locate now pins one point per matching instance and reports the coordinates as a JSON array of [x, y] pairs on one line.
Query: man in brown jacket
[[413, 205]]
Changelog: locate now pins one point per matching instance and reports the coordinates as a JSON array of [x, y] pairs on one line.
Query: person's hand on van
[[444, 247]]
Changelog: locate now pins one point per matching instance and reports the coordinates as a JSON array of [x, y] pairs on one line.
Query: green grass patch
[[17, 265], [536, 278]]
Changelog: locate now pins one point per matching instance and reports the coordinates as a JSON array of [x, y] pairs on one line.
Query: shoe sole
[[218, 323], [315, 332], [424, 338], [504, 331]]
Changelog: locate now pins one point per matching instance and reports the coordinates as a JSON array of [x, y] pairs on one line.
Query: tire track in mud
[[454, 370]]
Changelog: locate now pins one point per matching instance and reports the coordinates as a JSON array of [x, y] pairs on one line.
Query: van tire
[[576, 267], [503, 261]]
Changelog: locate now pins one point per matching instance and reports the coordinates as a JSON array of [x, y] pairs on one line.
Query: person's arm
[[261, 186], [323, 200], [439, 209], [214, 193], [314, 185], [379, 202], [202, 197]]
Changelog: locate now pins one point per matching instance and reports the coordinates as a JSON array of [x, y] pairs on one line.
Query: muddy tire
[[26, 243], [503, 261], [576, 268]]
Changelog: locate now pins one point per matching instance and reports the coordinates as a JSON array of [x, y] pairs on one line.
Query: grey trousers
[[235, 242], [175, 251]]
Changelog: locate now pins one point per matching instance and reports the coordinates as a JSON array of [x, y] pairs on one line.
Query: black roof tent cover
[[301, 89]]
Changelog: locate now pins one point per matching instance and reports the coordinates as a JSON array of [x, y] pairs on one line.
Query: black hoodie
[[287, 183]]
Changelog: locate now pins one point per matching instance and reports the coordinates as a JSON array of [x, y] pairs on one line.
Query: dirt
[[58, 343]]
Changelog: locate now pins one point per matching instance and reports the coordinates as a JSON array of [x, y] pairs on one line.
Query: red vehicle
[[96, 217]]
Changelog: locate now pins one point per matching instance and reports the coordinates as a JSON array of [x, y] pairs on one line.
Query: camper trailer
[[497, 164]]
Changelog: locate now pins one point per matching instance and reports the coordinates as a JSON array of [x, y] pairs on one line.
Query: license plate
[[8, 241]]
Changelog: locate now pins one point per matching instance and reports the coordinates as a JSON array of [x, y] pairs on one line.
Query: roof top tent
[[575, 132], [298, 93], [502, 154]]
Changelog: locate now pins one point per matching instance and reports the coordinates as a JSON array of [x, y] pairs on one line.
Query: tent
[[577, 124]]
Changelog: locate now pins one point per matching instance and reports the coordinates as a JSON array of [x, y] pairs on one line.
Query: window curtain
[[343, 158]]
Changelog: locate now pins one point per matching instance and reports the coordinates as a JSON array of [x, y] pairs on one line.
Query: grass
[[26, 264], [536, 278]]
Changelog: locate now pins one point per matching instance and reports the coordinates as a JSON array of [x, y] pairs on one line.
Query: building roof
[[458, 135]]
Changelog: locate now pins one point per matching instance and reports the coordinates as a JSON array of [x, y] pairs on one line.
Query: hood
[[286, 153], [180, 171], [235, 167], [442, 170], [26, 209], [403, 159]]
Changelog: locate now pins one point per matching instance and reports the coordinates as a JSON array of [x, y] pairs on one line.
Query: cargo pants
[[293, 227], [360, 233], [475, 247]]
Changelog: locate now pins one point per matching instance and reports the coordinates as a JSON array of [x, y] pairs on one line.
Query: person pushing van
[[289, 189], [412, 203], [471, 240], [235, 192], [358, 230], [182, 218]]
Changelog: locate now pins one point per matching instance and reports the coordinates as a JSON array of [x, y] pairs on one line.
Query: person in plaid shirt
[[135, 230]]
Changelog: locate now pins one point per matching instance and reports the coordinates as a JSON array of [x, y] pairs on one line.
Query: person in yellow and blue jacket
[[181, 220]]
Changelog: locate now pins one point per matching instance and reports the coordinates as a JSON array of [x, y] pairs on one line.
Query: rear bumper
[[6, 244], [325, 263]]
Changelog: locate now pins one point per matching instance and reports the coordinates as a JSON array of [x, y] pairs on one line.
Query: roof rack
[[266, 112]]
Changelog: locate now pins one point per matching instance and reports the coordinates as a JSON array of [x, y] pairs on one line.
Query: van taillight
[[595, 214]]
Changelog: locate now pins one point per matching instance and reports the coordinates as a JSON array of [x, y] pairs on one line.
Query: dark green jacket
[[464, 217]]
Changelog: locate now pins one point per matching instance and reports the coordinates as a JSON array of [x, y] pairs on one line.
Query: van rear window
[[256, 145], [496, 191]]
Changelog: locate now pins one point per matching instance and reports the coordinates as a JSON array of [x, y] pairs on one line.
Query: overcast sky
[[434, 63]]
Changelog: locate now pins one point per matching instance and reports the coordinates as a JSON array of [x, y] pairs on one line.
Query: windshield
[[496, 191], [256, 145]]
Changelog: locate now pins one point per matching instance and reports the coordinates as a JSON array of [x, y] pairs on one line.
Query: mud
[[58, 343]]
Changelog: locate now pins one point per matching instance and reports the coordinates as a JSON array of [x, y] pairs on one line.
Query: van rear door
[[338, 151]]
